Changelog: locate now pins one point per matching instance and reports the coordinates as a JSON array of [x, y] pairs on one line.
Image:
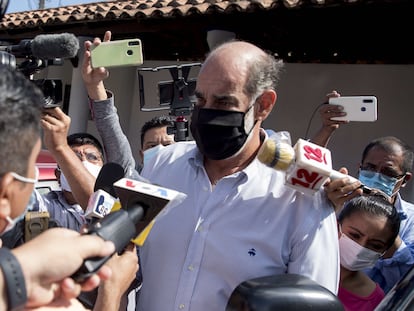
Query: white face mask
[[151, 152], [355, 257], [94, 169]]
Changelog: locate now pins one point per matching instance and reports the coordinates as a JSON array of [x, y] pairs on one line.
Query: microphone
[[142, 204], [104, 198], [307, 165], [49, 46]]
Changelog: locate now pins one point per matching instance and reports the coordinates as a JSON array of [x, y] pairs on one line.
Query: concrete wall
[[302, 88]]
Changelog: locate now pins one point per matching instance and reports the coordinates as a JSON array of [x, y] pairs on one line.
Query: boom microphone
[[307, 165], [47, 46]]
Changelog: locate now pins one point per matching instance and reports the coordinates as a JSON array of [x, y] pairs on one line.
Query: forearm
[[80, 180], [108, 299], [117, 147], [323, 136], [96, 91]]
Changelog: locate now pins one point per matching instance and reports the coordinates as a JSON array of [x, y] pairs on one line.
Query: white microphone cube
[[312, 167], [99, 205]]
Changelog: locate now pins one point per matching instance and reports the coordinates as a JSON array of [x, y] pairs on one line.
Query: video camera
[[38, 53], [176, 95], [52, 88]]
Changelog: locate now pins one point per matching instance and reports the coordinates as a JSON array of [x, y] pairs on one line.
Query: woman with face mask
[[368, 226]]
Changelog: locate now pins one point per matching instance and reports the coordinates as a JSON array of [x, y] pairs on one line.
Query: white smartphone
[[357, 108]]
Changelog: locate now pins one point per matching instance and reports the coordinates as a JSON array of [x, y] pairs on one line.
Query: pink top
[[352, 302]]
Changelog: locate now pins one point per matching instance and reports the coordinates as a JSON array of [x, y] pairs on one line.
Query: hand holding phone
[[357, 108], [117, 53]]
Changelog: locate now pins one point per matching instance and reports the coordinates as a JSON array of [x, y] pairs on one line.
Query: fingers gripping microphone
[[307, 165], [49, 46], [141, 204]]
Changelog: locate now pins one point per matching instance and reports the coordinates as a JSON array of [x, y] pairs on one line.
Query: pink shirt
[[352, 302]]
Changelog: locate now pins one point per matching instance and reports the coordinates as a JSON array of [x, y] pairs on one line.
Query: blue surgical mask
[[379, 181], [151, 152]]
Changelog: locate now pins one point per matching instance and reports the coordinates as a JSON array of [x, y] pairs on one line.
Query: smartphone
[[117, 53], [357, 108]]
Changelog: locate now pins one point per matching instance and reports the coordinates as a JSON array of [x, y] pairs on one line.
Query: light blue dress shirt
[[249, 225], [387, 272]]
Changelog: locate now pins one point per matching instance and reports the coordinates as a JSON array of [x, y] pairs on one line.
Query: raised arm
[[329, 126], [105, 115], [55, 124]]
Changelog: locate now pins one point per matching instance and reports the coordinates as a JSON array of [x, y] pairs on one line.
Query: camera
[[52, 88], [176, 95]]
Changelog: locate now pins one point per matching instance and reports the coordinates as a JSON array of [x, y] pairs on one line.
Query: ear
[[265, 102], [141, 154], [5, 190]]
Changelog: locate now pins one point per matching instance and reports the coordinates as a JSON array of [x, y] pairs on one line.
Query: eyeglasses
[[27, 179], [89, 156], [386, 171]]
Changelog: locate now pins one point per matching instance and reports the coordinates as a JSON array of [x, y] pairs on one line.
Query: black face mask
[[219, 134]]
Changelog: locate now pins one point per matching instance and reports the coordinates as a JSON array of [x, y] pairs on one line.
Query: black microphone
[[104, 197], [141, 203], [108, 175], [49, 46]]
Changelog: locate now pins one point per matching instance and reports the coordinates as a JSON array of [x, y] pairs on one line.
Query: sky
[[27, 5]]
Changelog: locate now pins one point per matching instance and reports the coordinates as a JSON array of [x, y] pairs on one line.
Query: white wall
[[302, 88]]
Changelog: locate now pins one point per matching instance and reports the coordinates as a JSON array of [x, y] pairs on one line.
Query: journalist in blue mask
[[386, 166]]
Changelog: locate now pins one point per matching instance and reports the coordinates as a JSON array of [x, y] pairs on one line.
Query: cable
[[310, 120]]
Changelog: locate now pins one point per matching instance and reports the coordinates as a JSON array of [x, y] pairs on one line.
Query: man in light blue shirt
[[239, 221]]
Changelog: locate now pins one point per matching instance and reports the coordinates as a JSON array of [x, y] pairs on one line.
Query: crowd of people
[[238, 220]]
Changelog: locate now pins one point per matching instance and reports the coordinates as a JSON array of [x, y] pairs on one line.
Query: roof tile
[[128, 9], [132, 9]]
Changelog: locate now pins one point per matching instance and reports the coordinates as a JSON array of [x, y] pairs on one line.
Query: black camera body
[[52, 88], [176, 95]]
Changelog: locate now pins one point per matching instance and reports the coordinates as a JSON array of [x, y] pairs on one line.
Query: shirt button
[[190, 268], [199, 228], [205, 189], [181, 306]]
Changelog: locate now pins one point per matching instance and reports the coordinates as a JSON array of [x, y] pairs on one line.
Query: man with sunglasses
[[386, 166]]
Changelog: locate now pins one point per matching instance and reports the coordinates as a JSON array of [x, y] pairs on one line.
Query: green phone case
[[118, 53]]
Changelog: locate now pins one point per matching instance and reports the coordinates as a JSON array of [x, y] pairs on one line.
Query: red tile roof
[[141, 9]]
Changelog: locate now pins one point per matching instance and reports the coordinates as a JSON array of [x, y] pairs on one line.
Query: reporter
[[38, 272]]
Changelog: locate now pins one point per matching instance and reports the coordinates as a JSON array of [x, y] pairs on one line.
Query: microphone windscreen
[[276, 154], [108, 175], [52, 46]]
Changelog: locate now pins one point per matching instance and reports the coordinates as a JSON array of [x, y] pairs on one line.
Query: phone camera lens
[[130, 52]]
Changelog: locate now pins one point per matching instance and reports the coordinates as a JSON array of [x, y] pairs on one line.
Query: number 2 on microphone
[[314, 154], [306, 179]]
